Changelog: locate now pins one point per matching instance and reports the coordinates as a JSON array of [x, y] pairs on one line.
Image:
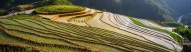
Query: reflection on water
[[96, 22]]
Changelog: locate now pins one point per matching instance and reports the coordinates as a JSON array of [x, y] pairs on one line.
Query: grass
[[137, 22], [159, 23], [173, 24], [22, 17], [58, 9], [25, 6], [174, 36]]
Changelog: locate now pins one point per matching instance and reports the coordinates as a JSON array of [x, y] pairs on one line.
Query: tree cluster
[[2, 12], [60, 2], [184, 31]]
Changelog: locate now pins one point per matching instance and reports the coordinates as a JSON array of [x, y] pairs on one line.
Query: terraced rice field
[[54, 36], [84, 31], [146, 22], [77, 18], [153, 35], [112, 22]]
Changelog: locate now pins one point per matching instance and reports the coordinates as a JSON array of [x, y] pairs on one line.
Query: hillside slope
[[6, 4], [187, 19], [148, 9], [152, 9]]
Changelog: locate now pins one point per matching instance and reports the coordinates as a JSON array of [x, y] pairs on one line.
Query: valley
[[180, 18]]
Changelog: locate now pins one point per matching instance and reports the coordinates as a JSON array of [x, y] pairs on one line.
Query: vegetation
[[59, 9], [159, 23], [173, 35], [137, 22], [7, 4], [60, 2], [64, 37], [184, 31], [20, 5], [173, 24], [146, 9], [187, 19], [17, 48], [2, 12], [125, 7], [22, 16]]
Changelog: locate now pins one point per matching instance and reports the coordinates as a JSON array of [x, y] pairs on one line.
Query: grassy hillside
[[187, 19], [177, 10], [6, 4], [20, 5]]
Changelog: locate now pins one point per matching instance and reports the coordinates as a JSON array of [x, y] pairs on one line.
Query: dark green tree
[[184, 31], [2, 12], [60, 2]]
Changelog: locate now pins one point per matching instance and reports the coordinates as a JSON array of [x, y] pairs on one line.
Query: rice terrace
[[60, 26]]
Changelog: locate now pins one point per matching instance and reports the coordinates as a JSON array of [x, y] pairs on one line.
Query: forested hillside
[[149, 9], [6, 4], [160, 10], [187, 19], [178, 7], [11, 6]]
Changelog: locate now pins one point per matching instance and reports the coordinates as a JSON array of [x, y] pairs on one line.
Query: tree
[[184, 31], [60, 2], [2, 12]]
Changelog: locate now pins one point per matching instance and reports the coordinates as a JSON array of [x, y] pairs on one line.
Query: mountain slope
[[149, 9], [178, 7], [5, 4], [187, 19]]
